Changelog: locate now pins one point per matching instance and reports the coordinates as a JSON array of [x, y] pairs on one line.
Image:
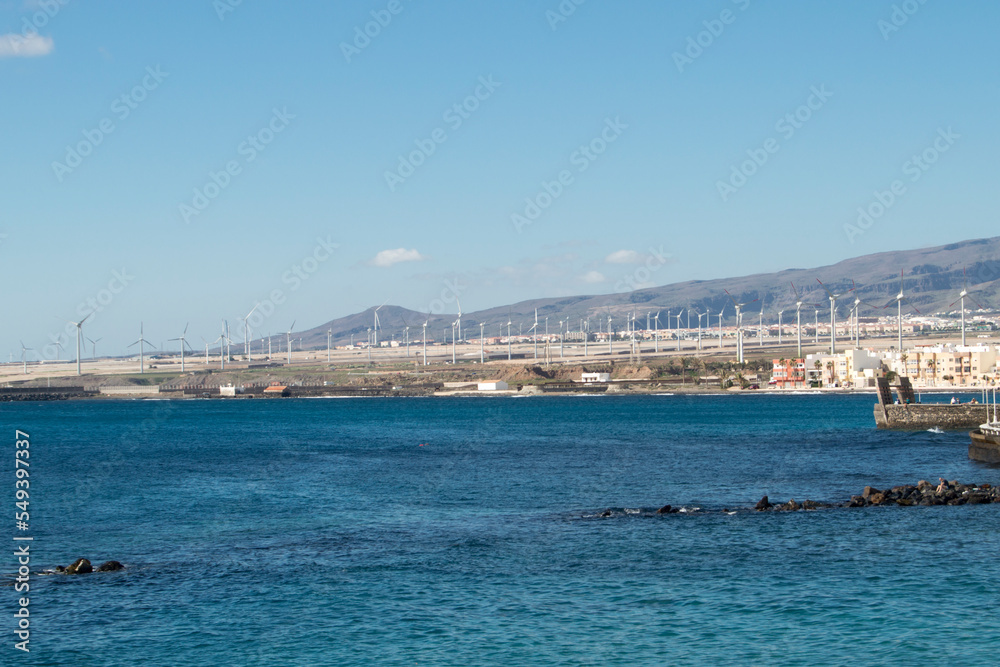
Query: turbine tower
[[900, 298], [509, 312], [247, 348], [798, 317], [425, 341], [739, 324], [288, 342], [183, 343], [93, 348], [961, 298], [142, 341], [79, 336], [833, 314], [24, 356]]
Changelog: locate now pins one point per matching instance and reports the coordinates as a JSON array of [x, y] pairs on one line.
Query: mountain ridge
[[933, 278]]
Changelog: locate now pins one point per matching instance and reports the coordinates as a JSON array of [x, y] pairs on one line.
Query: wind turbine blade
[[824, 288]]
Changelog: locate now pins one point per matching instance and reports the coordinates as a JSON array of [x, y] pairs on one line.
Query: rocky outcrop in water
[[83, 566], [925, 493], [922, 493]]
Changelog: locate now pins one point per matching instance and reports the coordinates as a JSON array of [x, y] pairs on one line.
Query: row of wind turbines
[[226, 341]]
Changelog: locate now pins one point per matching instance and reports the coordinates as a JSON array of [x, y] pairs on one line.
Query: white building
[[493, 385], [587, 378]]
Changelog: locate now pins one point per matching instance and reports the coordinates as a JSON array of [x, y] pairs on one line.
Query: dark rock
[[606, 513], [979, 498], [763, 504], [809, 505], [60, 569], [905, 502], [955, 501], [876, 498], [111, 566], [924, 485], [857, 501], [791, 506], [80, 566], [664, 510], [869, 491]]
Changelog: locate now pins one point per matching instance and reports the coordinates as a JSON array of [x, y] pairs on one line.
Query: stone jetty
[[922, 493]]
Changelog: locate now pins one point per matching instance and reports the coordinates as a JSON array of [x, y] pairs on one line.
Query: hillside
[[933, 278]]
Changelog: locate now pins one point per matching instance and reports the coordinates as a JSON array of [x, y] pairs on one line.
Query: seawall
[[923, 416]]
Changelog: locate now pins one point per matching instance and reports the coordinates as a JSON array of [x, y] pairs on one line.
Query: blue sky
[[314, 221]]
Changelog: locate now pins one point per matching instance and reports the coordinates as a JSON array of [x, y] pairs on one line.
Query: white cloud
[[390, 257], [624, 257], [21, 46], [593, 277]]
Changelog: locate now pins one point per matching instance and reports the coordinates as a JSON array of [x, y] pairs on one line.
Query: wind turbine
[[482, 349], [700, 315], [183, 343], [222, 340], [961, 297], [833, 314], [247, 349], [453, 342], [142, 341], [93, 349], [739, 324], [656, 333], [798, 317], [24, 356], [509, 313], [79, 336], [611, 350], [899, 309], [858, 302], [329, 341], [206, 350], [534, 338], [679, 315], [721, 311], [288, 342], [425, 341]]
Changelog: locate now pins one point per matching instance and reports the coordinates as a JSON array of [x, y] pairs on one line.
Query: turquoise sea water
[[468, 531]]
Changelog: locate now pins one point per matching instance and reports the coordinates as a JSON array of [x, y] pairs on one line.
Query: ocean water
[[468, 531]]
